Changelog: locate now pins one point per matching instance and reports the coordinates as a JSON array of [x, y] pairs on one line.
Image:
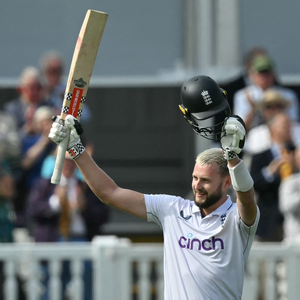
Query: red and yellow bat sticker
[[75, 101]]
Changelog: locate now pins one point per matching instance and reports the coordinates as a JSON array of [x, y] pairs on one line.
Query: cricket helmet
[[202, 99]]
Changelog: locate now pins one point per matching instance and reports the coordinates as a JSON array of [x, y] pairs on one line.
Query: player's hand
[[58, 130], [234, 139], [58, 133], [75, 130]]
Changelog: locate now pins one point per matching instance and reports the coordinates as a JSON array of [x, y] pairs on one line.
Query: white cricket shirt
[[204, 258]]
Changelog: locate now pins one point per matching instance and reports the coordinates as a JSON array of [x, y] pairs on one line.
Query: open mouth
[[201, 195]]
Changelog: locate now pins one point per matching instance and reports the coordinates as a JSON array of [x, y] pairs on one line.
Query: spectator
[[246, 100], [266, 169], [7, 219], [258, 138], [87, 213], [36, 146], [10, 143], [6, 214], [243, 79], [9, 139], [9, 151], [7, 190], [66, 212], [31, 97], [52, 67], [289, 202]]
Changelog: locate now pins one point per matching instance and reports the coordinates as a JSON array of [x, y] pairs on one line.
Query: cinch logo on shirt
[[196, 244]]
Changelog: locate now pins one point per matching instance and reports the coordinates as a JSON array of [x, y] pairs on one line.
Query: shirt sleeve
[[250, 230], [158, 207]]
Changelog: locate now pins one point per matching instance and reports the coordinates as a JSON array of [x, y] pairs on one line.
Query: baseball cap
[[262, 64], [274, 97]]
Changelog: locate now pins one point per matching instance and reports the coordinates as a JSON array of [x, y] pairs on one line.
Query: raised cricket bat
[[81, 69]]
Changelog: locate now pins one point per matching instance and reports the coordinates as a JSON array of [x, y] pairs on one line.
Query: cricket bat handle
[[60, 158]]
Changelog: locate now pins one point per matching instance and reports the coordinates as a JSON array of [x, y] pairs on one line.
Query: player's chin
[[200, 198]]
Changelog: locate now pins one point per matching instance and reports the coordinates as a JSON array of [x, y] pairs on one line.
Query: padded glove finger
[[58, 131]]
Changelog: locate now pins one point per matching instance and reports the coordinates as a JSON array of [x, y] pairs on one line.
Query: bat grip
[[60, 158]]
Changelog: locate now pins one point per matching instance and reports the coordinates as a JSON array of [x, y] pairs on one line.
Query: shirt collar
[[219, 211]]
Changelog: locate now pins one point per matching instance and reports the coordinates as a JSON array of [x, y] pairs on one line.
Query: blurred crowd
[[71, 212], [27, 156], [272, 148], [31, 208]]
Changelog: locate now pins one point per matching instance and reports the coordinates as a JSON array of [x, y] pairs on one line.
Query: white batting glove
[[58, 132], [234, 139]]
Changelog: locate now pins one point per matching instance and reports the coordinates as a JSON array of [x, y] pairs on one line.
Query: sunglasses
[[274, 106], [53, 70]]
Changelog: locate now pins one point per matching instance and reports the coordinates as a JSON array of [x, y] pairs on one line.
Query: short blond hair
[[213, 156]]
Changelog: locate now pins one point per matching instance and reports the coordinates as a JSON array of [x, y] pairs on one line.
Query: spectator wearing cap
[[258, 138], [242, 80], [232, 85], [263, 77]]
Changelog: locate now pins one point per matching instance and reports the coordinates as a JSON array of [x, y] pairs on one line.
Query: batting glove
[[59, 130], [234, 139]]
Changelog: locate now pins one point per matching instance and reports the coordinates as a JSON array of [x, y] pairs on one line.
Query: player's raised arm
[[202, 99], [232, 144], [100, 183]]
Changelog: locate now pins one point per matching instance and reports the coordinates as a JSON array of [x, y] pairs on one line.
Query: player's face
[[263, 79], [32, 91], [53, 72], [208, 186]]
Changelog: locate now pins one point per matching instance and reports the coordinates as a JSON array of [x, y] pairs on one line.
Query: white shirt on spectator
[[242, 106], [258, 138], [289, 205]]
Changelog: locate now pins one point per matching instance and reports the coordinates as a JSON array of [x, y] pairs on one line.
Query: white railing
[[273, 272], [122, 270]]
